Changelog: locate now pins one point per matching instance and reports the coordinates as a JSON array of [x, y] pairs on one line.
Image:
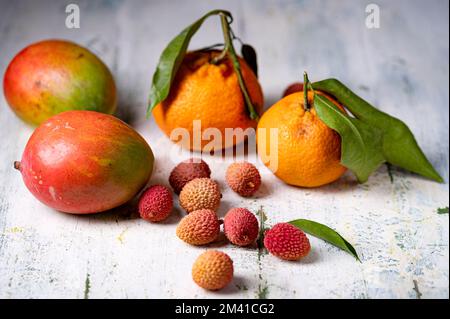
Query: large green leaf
[[361, 149], [171, 59], [398, 145], [325, 233]]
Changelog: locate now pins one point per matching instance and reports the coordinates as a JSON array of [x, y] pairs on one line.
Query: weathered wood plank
[[401, 67]]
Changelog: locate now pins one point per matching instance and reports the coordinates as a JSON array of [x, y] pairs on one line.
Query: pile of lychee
[[200, 197]]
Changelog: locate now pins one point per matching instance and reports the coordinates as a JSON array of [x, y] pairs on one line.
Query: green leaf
[[361, 144], [442, 210], [399, 147], [325, 233], [249, 55], [171, 59]]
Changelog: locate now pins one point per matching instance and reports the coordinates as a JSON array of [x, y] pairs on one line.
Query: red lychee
[[243, 178], [186, 171], [287, 242], [240, 226], [155, 203]]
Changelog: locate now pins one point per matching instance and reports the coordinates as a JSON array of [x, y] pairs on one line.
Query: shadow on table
[[238, 284]]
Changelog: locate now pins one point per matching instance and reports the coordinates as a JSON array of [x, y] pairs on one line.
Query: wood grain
[[402, 241]]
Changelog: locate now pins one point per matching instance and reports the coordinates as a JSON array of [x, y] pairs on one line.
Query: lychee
[[155, 203], [200, 193], [243, 178], [186, 171], [200, 227], [287, 242], [212, 270], [294, 87], [240, 226]]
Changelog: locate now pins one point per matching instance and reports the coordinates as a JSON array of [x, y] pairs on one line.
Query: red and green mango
[[85, 162], [53, 76]]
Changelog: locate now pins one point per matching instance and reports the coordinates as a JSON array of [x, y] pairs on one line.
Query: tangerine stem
[[225, 31], [305, 91], [229, 49]]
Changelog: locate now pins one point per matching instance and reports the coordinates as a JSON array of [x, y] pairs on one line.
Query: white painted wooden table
[[403, 242]]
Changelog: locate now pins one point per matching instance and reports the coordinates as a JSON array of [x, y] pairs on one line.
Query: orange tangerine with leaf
[[307, 152], [209, 93], [206, 99]]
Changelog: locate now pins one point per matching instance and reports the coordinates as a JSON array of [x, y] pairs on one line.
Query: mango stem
[[17, 165]]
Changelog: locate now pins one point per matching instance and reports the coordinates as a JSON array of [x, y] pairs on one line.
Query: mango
[[85, 162], [53, 76]]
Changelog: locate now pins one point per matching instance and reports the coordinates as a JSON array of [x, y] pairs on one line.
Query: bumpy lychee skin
[[240, 226], [200, 193], [155, 203], [287, 242], [186, 171], [212, 270], [200, 227], [243, 178]]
